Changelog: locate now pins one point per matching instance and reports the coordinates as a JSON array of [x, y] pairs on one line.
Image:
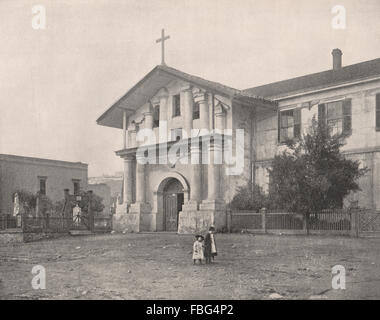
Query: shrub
[[249, 197]]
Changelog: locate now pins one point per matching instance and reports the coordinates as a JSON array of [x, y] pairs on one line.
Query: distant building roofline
[[25, 159]]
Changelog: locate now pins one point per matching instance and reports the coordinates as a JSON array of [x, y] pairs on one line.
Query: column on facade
[[195, 178], [213, 172], [214, 200], [187, 104], [220, 117], [163, 98], [204, 116], [132, 135], [140, 181], [140, 205], [148, 118], [128, 180], [125, 131]]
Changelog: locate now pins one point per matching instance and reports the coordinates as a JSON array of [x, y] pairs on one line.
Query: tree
[[26, 199], [249, 197], [45, 204], [313, 174], [96, 204]]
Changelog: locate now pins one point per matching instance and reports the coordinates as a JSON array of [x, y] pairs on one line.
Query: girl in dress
[[210, 245], [198, 249]]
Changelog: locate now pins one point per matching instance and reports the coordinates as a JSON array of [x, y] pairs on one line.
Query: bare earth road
[[159, 266]]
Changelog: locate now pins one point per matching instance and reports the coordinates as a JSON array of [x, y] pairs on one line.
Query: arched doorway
[[173, 199]]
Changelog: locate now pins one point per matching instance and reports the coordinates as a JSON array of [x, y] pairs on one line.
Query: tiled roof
[[318, 80]]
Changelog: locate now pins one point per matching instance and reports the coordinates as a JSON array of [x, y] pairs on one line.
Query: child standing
[[198, 249], [210, 245]]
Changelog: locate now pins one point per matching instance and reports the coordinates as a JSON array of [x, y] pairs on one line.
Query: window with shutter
[[42, 181], [297, 123], [76, 184], [289, 123], [347, 116], [337, 115]]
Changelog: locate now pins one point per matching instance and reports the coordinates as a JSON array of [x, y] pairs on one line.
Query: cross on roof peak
[[162, 40]]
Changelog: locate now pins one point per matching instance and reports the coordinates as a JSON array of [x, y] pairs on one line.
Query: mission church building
[[187, 198]]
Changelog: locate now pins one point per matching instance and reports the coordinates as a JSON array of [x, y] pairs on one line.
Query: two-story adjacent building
[[167, 195]]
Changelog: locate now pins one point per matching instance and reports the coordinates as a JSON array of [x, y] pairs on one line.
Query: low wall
[[30, 237], [18, 236], [11, 236]]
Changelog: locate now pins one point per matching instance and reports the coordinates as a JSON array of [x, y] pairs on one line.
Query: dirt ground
[[159, 266]]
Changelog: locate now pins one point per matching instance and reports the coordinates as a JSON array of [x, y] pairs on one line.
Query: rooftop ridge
[[325, 78]]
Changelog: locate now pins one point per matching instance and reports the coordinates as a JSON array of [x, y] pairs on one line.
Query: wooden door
[[171, 212]]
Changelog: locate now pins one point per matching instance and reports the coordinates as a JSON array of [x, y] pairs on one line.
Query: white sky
[[55, 83]]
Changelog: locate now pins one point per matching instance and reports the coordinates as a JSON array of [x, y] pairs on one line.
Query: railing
[[327, 220], [63, 224], [283, 221], [340, 221], [46, 224], [369, 221], [7, 222], [241, 220]]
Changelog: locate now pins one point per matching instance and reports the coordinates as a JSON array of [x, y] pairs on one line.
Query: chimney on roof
[[337, 59]]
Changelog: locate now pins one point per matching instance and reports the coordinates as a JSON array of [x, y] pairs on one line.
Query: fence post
[[23, 220], [66, 207], [229, 220], [263, 212], [91, 218], [304, 222], [38, 205], [47, 217], [354, 217]]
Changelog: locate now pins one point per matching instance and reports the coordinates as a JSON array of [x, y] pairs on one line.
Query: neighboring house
[[49, 177], [190, 197], [114, 182], [346, 98]]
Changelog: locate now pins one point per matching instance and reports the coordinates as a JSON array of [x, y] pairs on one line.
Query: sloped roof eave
[[203, 83]]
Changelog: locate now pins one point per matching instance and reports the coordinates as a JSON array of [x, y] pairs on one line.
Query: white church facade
[[189, 113]]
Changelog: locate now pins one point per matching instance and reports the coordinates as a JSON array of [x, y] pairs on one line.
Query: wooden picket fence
[[334, 221]]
